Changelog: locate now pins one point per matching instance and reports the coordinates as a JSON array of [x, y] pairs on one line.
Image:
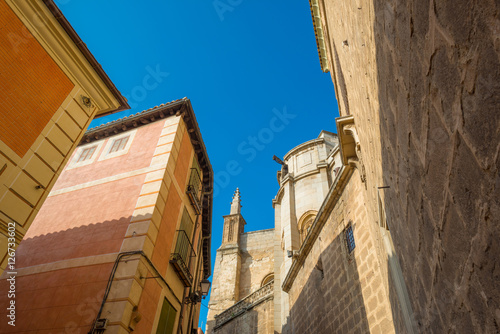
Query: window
[[86, 154], [305, 224], [267, 279], [308, 229], [118, 144], [305, 230], [349, 237], [195, 187], [167, 318], [184, 252]]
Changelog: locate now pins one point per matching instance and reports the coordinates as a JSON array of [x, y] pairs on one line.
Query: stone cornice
[[259, 231], [303, 146], [257, 297], [350, 147], [320, 34], [317, 170], [347, 141]]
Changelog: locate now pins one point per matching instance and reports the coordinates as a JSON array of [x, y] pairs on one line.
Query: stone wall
[[336, 291], [240, 268], [421, 80], [259, 320], [302, 190], [225, 287], [257, 255]]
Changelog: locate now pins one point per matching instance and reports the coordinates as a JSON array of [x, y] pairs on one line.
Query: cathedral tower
[[233, 223], [242, 289], [225, 288]]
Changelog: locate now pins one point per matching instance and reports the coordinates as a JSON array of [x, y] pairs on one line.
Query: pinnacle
[[236, 203]]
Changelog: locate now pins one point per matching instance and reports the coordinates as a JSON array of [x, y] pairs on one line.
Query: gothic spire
[[236, 203]]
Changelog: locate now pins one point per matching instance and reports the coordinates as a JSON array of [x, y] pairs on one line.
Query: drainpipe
[[197, 270], [112, 276]]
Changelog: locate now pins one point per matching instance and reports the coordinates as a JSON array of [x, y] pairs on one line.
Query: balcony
[[194, 190], [181, 257]]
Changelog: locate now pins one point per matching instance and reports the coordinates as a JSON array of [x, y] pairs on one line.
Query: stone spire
[[236, 203]]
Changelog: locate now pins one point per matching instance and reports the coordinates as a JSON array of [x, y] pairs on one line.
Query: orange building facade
[[123, 240], [51, 87]]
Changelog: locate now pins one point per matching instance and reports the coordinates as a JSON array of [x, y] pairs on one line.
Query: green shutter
[[187, 224], [167, 318], [196, 165]]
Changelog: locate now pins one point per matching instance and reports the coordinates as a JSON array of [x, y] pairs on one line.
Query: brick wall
[[30, 81], [42, 116]]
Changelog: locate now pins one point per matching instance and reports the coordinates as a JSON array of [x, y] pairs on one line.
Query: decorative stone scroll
[[350, 147]]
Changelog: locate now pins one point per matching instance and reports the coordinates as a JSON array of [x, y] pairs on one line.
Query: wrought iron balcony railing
[[181, 257], [194, 190]]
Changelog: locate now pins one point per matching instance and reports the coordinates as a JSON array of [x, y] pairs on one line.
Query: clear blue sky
[[236, 66]]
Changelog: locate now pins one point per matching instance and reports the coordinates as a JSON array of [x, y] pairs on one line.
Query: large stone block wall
[[225, 288], [239, 271], [421, 80], [258, 319], [257, 260], [336, 291], [310, 193]]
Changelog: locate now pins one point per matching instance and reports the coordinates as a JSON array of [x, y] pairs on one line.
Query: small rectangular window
[[86, 154], [349, 237], [118, 144]]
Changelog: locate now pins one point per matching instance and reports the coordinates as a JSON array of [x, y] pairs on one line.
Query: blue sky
[[250, 69]]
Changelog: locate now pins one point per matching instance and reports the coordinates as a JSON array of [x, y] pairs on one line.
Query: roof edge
[[59, 16], [318, 32]]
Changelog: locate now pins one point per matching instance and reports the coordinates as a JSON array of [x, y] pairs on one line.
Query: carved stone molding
[[262, 294], [350, 147]]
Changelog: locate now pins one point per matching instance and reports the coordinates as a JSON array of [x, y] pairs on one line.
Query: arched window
[[305, 224], [267, 279]]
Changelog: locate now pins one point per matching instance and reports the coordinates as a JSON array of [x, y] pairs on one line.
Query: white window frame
[[74, 160], [105, 152]]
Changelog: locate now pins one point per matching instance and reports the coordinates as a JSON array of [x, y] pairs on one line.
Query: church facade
[[400, 214], [242, 290], [323, 268]]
